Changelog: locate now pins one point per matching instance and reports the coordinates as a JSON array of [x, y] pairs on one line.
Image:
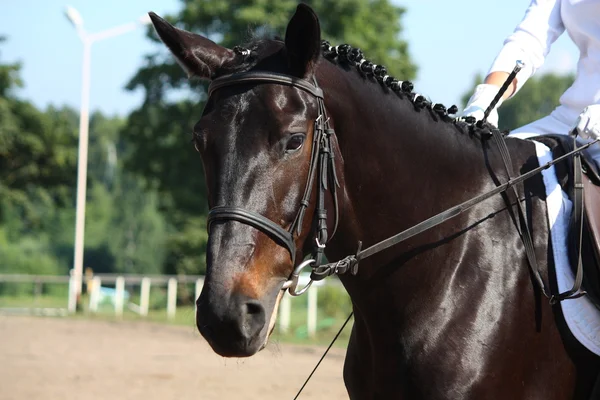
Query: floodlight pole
[[82, 154]]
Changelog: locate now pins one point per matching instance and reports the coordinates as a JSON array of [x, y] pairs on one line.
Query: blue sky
[[450, 41]]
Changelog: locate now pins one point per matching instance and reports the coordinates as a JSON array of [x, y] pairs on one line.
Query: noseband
[[322, 165]]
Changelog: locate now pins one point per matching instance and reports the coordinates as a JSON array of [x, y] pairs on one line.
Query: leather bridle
[[321, 168]]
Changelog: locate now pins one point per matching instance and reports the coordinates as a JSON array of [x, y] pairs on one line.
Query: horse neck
[[397, 161]]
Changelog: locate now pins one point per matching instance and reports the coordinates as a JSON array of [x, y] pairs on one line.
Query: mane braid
[[250, 55], [347, 54]]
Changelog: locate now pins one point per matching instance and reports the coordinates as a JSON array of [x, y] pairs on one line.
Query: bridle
[[321, 167]]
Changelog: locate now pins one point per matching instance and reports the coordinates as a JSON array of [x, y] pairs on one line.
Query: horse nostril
[[254, 307], [253, 318]]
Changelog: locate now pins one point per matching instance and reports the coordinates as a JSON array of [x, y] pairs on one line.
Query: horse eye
[[295, 142]]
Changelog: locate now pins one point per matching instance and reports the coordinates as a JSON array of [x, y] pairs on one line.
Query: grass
[[31, 301]]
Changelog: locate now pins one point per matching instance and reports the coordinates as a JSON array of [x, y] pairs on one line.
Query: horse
[[450, 313]]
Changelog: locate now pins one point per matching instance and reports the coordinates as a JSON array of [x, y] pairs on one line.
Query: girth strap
[[576, 290], [525, 231], [521, 224], [277, 233]]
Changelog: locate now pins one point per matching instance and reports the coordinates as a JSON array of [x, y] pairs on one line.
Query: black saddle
[[590, 253]]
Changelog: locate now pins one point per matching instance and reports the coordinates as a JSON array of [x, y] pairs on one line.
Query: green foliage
[[9, 79], [187, 248], [29, 256], [164, 155], [38, 157], [104, 149], [37, 171], [160, 130], [158, 298], [372, 25], [138, 231], [37, 160], [146, 197], [536, 99], [334, 301]]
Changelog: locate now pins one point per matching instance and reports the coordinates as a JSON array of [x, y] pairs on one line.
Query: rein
[[352, 260]]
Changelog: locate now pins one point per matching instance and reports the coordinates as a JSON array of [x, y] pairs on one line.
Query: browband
[[264, 77]]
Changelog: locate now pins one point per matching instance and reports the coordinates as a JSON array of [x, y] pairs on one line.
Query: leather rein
[[322, 167]]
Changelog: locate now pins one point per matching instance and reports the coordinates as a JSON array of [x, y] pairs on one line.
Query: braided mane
[[349, 55], [352, 56], [346, 54]]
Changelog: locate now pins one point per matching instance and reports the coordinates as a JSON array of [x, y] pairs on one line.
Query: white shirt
[[544, 22]]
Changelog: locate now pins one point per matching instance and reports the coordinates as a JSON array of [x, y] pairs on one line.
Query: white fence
[[118, 296], [111, 289]]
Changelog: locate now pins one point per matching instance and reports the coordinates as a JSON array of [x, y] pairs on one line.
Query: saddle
[[590, 242]]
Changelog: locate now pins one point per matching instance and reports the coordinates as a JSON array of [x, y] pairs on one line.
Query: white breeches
[[552, 124]]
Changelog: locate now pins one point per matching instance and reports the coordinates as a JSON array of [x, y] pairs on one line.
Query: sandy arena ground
[[63, 359]]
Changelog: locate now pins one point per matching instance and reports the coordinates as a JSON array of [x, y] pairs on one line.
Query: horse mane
[[347, 55], [259, 48]]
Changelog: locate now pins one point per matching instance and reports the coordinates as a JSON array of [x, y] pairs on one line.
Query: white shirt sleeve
[[531, 40]]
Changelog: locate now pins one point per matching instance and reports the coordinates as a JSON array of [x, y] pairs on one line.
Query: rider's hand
[[588, 122], [480, 101]]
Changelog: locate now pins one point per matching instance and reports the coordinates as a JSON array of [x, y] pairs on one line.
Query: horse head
[[254, 139]]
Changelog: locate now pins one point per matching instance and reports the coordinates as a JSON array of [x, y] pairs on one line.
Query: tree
[[9, 78], [138, 231], [536, 99], [38, 155], [124, 231], [36, 165], [160, 127], [372, 25]]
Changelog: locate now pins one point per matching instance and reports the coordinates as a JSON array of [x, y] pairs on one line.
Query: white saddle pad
[[582, 317]]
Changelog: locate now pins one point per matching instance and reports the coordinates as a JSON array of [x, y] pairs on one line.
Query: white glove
[[588, 123], [480, 101]]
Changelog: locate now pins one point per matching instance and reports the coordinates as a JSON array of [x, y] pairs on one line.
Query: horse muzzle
[[235, 327]]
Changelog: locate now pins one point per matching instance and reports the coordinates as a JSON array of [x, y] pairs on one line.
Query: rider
[[543, 23]]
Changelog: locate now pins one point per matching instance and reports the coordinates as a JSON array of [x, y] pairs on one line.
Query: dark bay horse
[[451, 313]]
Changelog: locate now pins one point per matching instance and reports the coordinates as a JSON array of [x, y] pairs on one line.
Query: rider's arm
[[530, 43]]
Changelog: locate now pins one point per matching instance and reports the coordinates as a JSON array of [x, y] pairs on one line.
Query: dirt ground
[[63, 358]]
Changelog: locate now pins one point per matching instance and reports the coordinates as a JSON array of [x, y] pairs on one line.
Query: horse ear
[[303, 40], [197, 55]]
